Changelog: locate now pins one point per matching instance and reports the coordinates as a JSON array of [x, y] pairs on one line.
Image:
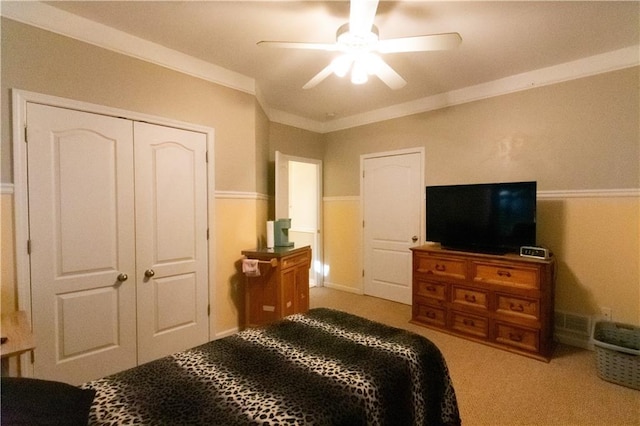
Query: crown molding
[[58, 21], [593, 65]]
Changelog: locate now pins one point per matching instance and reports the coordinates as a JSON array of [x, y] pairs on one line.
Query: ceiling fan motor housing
[[353, 41]]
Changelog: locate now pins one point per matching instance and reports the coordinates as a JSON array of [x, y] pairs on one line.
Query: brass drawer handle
[[516, 308], [468, 322], [430, 315], [440, 268], [471, 298], [502, 273], [516, 337], [430, 288]]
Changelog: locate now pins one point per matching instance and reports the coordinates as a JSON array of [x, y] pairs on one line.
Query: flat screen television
[[487, 218]]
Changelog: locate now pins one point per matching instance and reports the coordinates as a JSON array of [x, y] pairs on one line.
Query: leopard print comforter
[[324, 367]]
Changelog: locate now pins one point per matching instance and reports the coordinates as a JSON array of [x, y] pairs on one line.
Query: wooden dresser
[[283, 285], [504, 301]]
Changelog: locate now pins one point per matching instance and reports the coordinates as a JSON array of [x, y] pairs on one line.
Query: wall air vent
[[572, 329]]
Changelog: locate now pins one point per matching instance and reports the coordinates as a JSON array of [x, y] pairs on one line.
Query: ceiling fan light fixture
[[341, 65], [358, 43], [353, 41], [371, 62], [359, 72]]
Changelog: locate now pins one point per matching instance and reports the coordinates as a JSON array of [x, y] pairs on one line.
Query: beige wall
[[597, 244], [343, 243], [291, 141], [581, 134], [235, 231], [8, 302], [262, 151], [570, 137]]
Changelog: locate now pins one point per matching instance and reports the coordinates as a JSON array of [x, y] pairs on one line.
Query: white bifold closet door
[[117, 224], [171, 240]]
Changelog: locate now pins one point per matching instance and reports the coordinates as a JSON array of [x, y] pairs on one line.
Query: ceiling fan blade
[[299, 45], [420, 43], [326, 72], [361, 15], [389, 76]]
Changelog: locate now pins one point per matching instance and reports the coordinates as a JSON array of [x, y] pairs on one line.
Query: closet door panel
[[171, 240], [80, 169]]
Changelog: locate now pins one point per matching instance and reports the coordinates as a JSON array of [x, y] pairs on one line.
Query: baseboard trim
[[342, 287], [571, 339], [226, 333]]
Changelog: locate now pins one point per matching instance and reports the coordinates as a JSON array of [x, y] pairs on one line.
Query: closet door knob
[[414, 238], [123, 277], [149, 273]]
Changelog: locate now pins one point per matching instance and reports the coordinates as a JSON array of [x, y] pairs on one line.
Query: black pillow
[[42, 402]]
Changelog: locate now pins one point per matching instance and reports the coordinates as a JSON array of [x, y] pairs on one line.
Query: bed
[[324, 367]]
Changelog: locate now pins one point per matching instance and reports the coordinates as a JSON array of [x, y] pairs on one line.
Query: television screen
[[491, 218]]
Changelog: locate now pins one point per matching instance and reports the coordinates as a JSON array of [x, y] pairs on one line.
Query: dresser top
[[513, 257], [276, 252]]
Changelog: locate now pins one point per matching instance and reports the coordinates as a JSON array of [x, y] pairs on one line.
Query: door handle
[[149, 273], [123, 277], [414, 238]]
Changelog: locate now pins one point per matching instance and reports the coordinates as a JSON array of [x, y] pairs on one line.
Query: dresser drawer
[[441, 266], [512, 276], [429, 314], [299, 259], [469, 324], [463, 296], [431, 289], [517, 306], [517, 337]]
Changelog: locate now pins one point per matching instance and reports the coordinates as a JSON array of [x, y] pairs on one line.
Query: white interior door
[[171, 240], [392, 200], [299, 197], [80, 169]]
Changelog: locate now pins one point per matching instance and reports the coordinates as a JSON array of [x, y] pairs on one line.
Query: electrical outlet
[[606, 314]]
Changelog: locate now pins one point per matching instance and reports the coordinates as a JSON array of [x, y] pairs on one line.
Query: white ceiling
[[500, 39]]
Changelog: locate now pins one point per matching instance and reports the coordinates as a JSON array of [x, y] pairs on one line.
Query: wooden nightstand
[[283, 285], [15, 327]]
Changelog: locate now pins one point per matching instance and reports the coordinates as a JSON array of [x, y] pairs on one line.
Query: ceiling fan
[[359, 47]]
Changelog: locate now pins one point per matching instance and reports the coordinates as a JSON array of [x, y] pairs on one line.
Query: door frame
[[317, 270], [20, 98], [417, 150]]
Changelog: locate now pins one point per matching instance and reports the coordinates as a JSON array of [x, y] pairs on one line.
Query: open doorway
[[299, 197]]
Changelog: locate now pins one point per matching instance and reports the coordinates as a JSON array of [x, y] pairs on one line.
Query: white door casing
[[80, 175], [393, 213], [282, 185], [171, 240]]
